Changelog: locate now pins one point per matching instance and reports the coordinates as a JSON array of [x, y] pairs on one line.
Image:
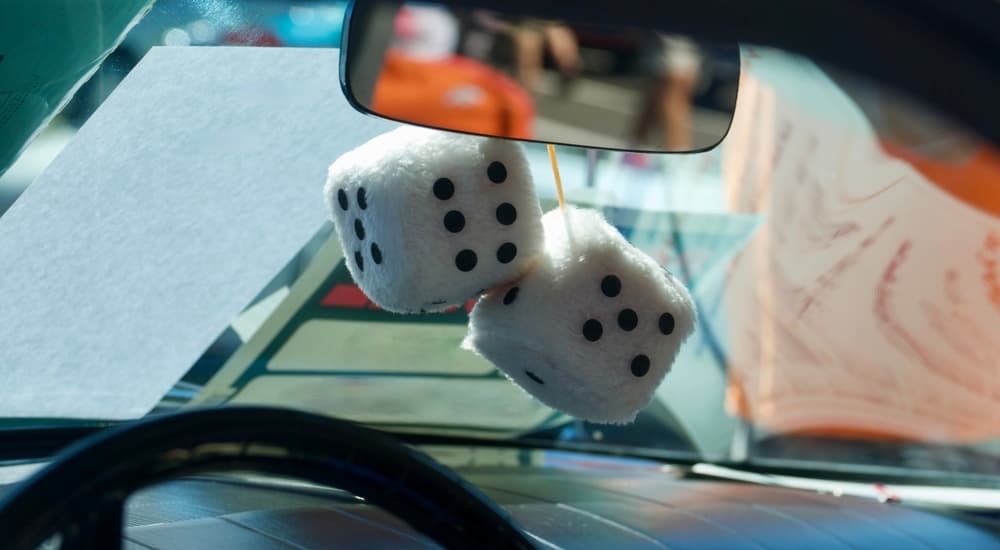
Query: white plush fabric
[[405, 214], [534, 329]]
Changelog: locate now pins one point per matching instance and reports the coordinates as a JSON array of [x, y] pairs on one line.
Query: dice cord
[[559, 194], [558, 180]]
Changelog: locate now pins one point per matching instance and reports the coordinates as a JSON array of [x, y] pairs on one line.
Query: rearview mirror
[[512, 75]]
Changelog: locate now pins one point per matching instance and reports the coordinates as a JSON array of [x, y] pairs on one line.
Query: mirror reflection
[[501, 74]]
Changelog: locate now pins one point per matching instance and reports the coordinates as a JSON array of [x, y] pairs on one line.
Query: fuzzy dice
[[592, 329], [429, 219]]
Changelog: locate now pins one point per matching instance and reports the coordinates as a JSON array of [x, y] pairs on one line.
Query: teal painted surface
[[48, 48]]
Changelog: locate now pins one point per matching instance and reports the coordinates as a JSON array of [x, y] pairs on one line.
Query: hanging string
[[558, 179], [562, 198]]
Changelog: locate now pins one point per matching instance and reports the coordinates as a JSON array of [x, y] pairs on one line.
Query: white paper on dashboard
[[183, 195]]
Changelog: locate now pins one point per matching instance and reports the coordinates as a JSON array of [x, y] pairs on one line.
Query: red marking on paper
[[989, 259]]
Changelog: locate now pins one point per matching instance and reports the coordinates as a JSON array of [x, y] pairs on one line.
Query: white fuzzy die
[[592, 329], [430, 219]]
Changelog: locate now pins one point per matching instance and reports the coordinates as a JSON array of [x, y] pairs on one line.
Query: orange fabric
[[975, 181], [456, 93]]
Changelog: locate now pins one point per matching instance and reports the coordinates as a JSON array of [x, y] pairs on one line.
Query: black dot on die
[[454, 221], [342, 199], [640, 365], [362, 198], [592, 330], [359, 229], [627, 319], [611, 286], [466, 260], [666, 323], [444, 189], [510, 296], [506, 253], [506, 213], [496, 171], [376, 254], [359, 260]]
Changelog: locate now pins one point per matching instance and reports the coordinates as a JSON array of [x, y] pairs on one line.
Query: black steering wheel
[[81, 494]]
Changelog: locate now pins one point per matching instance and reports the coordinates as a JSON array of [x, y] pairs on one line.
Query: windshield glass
[[841, 244]]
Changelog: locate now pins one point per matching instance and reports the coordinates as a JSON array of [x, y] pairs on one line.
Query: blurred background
[[296, 23], [527, 79], [836, 320]]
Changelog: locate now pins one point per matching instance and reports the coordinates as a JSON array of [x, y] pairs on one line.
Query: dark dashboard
[[560, 507]]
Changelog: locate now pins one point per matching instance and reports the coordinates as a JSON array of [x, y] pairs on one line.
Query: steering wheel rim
[[81, 493]]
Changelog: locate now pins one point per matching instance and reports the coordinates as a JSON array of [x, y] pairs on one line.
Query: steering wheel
[[81, 494]]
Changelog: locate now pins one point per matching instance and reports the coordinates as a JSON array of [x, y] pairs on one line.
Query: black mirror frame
[[345, 47]]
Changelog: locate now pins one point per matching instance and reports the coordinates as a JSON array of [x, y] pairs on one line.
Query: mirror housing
[[515, 76]]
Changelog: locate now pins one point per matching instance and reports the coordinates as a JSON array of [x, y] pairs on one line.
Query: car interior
[[194, 357]]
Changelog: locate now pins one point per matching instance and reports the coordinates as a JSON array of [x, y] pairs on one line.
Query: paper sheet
[[864, 306], [178, 201]]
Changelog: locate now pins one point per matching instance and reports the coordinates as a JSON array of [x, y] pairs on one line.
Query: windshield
[[841, 244]]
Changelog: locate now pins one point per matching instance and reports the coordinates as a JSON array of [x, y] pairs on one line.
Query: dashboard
[[560, 507]]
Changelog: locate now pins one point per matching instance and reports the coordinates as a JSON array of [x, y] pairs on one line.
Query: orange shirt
[[455, 93]]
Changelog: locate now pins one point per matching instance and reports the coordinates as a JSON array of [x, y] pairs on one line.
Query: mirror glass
[[516, 76]]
